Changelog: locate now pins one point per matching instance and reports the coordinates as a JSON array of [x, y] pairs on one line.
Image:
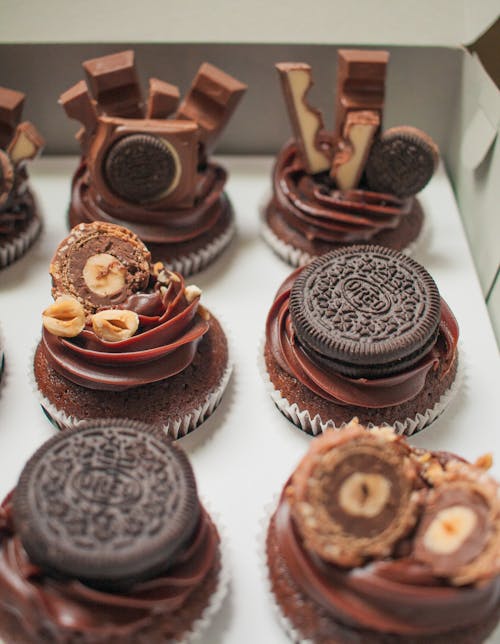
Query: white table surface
[[243, 454]]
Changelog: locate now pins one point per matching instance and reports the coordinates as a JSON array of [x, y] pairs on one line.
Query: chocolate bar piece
[[78, 105], [11, 109], [360, 83], [211, 101], [354, 147], [163, 99], [114, 84], [307, 121], [26, 144]]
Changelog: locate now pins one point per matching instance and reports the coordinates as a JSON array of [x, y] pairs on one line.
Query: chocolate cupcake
[[20, 221], [355, 185], [373, 541], [361, 331], [104, 540], [148, 172], [125, 338]]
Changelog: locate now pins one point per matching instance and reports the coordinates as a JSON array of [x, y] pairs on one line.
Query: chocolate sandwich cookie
[[401, 161], [369, 311], [141, 168], [104, 540], [100, 265], [110, 507]]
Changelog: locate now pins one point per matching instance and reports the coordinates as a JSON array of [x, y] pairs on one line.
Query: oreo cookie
[[401, 161], [365, 311], [109, 506], [141, 168]]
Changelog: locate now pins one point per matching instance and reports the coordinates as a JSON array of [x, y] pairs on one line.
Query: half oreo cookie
[[401, 161], [365, 311], [109, 506]]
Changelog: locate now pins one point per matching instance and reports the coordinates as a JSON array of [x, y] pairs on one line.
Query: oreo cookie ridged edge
[[121, 471], [361, 319]]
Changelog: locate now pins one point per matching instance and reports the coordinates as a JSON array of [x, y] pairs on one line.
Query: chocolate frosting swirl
[[157, 226], [165, 344], [398, 596], [334, 387], [314, 207], [63, 606]]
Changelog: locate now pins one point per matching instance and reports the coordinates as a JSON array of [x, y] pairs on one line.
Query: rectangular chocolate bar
[[360, 83], [11, 109], [307, 121], [163, 99], [349, 161], [114, 84], [210, 102]]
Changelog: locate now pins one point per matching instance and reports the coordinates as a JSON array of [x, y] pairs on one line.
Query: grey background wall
[[260, 125]]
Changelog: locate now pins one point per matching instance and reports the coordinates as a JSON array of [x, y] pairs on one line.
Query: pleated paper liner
[[196, 261], [315, 425], [15, 248]]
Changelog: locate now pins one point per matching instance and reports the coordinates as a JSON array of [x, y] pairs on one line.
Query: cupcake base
[[296, 250], [15, 244], [305, 620], [178, 404], [313, 414]]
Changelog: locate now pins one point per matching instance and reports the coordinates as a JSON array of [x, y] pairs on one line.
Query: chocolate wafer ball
[[100, 265], [375, 541]]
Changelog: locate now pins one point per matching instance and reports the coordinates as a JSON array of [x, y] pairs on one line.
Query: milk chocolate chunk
[[353, 496], [6, 177], [402, 161], [163, 99], [26, 143], [211, 101], [141, 168], [349, 161], [100, 265], [78, 105], [360, 83], [307, 121], [458, 535], [114, 84], [11, 108], [109, 506]]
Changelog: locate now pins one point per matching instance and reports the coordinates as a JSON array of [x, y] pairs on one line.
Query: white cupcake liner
[[15, 248], [263, 527], [297, 257], [175, 428], [196, 261], [201, 624], [315, 425]]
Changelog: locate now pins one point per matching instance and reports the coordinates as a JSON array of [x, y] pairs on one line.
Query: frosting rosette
[[169, 330], [315, 207], [173, 226], [69, 605]]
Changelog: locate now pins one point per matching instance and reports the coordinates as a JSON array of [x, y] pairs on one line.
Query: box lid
[[381, 22]]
